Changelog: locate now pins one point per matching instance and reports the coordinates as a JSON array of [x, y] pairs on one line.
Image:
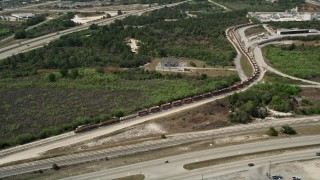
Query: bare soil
[[312, 94]]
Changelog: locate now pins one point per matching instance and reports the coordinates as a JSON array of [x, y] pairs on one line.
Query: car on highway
[[296, 178], [277, 177], [166, 161], [250, 164], [317, 153]]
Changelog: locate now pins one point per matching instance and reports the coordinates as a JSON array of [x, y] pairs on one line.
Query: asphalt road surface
[[157, 169], [172, 140]]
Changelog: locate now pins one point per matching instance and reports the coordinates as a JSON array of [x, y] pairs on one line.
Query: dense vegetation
[[52, 90], [54, 25], [34, 104], [253, 102], [9, 27], [261, 5], [302, 61], [200, 38]]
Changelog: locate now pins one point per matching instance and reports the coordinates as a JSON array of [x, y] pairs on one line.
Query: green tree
[[74, 73], [20, 34], [52, 77], [93, 27], [64, 72]]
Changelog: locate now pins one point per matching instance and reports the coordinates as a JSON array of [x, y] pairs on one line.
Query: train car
[[131, 116], [166, 106], [207, 95], [154, 109], [234, 87], [187, 100], [224, 90], [246, 82], [109, 121], [216, 92], [143, 112], [176, 103], [197, 98], [86, 127]]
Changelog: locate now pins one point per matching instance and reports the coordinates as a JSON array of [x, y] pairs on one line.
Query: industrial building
[[295, 31]]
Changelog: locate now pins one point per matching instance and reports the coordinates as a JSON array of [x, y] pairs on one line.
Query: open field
[[301, 61], [31, 104]]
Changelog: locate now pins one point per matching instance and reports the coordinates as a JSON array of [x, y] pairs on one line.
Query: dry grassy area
[[246, 66]]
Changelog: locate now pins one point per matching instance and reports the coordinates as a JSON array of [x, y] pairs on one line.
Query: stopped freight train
[[188, 100]]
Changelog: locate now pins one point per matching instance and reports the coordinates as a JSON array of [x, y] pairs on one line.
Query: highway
[[157, 169], [40, 41], [172, 140]]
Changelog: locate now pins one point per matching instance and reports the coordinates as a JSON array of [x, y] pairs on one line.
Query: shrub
[[52, 77], [286, 129], [272, 132], [74, 73], [64, 72]]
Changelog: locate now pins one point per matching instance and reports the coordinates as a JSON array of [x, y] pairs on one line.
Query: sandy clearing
[[139, 131], [83, 20], [133, 43]]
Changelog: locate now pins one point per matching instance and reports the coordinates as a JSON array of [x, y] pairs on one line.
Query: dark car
[[317, 153], [277, 177], [166, 161], [250, 164]]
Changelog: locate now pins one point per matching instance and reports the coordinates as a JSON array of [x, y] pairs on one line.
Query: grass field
[[300, 61], [33, 104], [246, 66]]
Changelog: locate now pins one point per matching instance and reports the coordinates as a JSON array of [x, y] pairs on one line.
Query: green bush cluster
[[252, 102], [272, 132]]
